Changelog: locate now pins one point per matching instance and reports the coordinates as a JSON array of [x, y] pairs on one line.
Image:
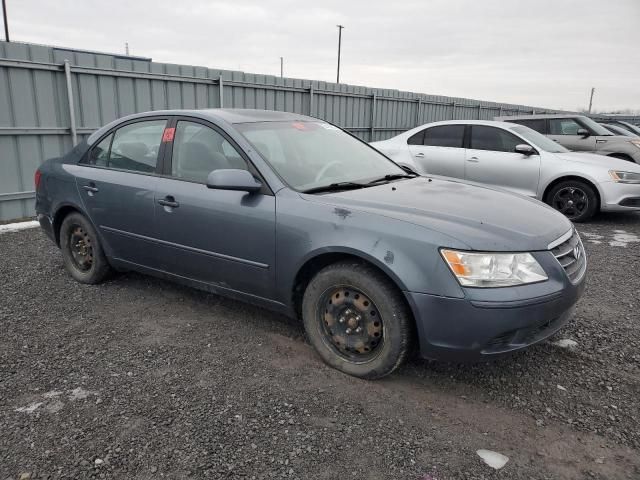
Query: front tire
[[357, 320], [82, 253], [575, 199]]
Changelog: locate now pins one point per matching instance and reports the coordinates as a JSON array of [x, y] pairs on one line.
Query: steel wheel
[[81, 248], [351, 324], [571, 201]]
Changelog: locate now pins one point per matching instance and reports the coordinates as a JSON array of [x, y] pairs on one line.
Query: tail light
[[36, 178]]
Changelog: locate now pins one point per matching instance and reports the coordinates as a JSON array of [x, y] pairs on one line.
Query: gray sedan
[[519, 159], [294, 214]]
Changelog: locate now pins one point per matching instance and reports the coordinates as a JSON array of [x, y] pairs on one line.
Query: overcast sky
[[546, 53]]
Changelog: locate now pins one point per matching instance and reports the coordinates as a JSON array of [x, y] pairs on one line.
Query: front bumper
[[620, 197], [473, 328]]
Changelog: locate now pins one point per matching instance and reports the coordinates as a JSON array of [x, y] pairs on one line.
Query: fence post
[[220, 91], [418, 112], [311, 100], [72, 110], [373, 117], [479, 111]]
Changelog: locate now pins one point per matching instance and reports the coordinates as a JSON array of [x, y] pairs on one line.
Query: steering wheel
[[325, 169]]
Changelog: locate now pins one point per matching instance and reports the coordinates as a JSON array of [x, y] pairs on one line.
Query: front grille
[[572, 258]]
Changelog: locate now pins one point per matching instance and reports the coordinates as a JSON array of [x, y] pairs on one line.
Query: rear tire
[[575, 199], [82, 253], [357, 320]]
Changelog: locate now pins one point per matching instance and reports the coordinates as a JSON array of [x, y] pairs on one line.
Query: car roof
[[230, 115]]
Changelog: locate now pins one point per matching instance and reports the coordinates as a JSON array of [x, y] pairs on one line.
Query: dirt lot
[[140, 378]]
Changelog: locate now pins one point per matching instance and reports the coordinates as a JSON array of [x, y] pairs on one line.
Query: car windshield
[[539, 140], [311, 155], [595, 127]]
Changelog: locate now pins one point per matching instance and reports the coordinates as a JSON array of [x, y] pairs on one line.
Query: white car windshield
[[539, 140], [312, 155]]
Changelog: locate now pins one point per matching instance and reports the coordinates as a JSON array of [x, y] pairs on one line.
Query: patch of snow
[[494, 459], [29, 408], [565, 343], [560, 387], [621, 239], [79, 394], [52, 394], [16, 227]]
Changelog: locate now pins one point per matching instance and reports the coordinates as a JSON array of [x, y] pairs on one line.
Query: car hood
[[481, 218], [599, 160]]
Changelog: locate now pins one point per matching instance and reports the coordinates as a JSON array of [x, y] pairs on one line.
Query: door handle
[[473, 160], [168, 201], [91, 188], [419, 155]]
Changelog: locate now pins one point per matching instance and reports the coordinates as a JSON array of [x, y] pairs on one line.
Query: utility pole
[[126, 48], [340, 27], [281, 67], [6, 22], [591, 99]]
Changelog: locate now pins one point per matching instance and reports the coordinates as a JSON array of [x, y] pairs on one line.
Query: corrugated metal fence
[[50, 98]]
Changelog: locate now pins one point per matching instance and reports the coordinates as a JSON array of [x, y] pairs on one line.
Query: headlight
[[635, 142], [494, 269], [624, 177]]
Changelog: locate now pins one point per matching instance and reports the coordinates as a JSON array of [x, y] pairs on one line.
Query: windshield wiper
[[335, 187], [395, 176]]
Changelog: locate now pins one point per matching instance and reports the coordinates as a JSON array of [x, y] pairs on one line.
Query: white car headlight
[[494, 269], [624, 177]]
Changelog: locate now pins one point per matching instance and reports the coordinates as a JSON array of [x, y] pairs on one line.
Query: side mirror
[[525, 149], [233, 179], [583, 132]]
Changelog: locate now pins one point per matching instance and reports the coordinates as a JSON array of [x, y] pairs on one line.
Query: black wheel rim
[[351, 324], [571, 201], [81, 248]]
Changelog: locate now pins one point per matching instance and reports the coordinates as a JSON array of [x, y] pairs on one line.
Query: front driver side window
[[563, 126], [198, 150], [493, 139]]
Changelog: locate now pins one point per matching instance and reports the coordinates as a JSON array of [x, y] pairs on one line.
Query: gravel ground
[[141, 378]]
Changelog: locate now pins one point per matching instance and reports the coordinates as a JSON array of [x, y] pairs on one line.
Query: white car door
[[439, 150], [492, 159]]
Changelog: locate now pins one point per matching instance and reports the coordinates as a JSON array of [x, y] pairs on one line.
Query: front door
[[565, 132], [116, 182], [439, 150], [492, 160], [221, 237]]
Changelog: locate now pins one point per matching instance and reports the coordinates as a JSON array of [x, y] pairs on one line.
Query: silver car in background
[[516, 158], [581, 134]]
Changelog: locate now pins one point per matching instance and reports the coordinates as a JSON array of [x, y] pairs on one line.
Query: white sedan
[[516, 158]]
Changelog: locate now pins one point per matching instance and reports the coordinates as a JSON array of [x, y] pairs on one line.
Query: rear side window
[[444, 136], [99, 155], [494, 139], [563, 126], [135, 146], [537, 124], [198, 150], [416, 139]]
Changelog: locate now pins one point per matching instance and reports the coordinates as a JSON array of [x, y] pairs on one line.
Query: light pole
[[591, 98], [6, 22], [340, 27]]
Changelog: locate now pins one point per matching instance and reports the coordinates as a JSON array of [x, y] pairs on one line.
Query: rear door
[[117, 181], [439, 150], [492, 160], [564, 131], [220, 237]]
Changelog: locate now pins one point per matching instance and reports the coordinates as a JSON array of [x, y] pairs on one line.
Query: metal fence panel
[[36, 121]]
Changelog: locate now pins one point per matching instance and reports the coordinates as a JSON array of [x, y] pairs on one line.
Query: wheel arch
[[61, 213], [578, 178], [316, 261]]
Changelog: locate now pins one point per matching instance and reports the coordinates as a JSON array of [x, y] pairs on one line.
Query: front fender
[[407, 253]]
